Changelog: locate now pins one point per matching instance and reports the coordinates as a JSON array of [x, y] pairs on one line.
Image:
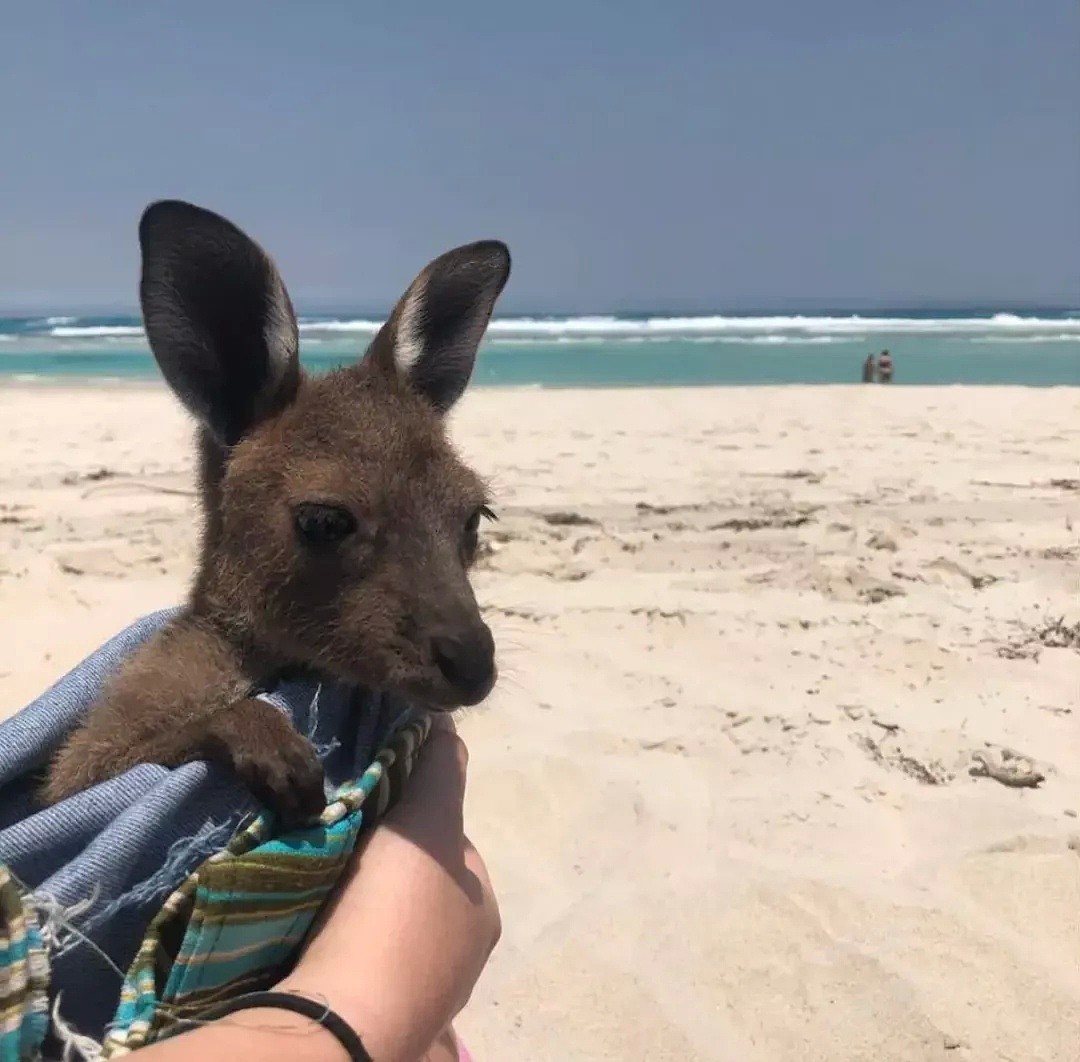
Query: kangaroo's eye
[[473, 526], [323, 525], [472, 529]]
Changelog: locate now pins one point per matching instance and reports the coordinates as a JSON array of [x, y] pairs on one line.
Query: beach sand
[[753, 641]]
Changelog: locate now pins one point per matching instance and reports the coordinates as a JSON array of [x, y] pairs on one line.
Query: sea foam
[[792, 326], [775, 329]]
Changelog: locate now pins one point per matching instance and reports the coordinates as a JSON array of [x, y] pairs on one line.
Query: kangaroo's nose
[[467, 662]]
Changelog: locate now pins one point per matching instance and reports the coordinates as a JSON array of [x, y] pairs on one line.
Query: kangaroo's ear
[[431, 338], [218, 318]]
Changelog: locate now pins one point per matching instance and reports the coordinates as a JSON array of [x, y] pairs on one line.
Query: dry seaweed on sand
[[1016, 772], [1050, 634]]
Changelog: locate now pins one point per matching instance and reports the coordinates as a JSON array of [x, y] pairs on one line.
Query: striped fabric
[[24, 976], [235, 924]]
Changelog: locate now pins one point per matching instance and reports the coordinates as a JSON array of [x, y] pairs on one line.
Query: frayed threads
[[182, 858], [76, 1047], [322, 749], [59, 932], [56, 921]]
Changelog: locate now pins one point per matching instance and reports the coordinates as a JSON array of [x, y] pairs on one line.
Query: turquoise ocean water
[[1036, 347]]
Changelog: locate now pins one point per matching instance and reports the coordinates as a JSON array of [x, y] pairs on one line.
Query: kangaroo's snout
[[466, 660]]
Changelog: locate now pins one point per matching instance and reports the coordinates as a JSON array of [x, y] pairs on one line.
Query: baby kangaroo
[[338, 523]]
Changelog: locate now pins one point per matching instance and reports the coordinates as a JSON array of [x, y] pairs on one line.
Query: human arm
[[400, 948]]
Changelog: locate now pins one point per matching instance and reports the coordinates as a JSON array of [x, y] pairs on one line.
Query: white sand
[[723, 787]]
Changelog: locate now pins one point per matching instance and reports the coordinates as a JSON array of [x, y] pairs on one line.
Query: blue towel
[[117, 851]]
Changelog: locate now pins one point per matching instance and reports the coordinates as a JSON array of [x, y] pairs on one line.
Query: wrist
[[386, 1034], [267, 1033]]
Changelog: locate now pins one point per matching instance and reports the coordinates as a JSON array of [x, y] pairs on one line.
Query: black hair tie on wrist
[[319, 1013]]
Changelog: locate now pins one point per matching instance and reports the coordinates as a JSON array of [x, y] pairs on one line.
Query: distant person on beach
[[868, 369], [885, 367]]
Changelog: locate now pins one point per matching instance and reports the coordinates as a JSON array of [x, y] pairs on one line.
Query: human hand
[[400, 948]]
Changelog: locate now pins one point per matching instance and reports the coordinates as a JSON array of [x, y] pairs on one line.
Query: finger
[[440, 771], [442, 721], [429, 813]]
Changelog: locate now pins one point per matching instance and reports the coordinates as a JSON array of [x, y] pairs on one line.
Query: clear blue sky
[[659, 154]]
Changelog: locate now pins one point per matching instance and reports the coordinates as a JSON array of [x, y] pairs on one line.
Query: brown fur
[[381, 608]]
